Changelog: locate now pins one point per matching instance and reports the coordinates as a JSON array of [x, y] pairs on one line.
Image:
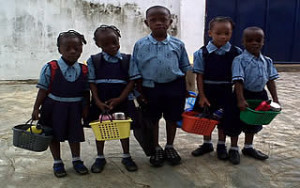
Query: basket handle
[[108, 114], [29, 122]]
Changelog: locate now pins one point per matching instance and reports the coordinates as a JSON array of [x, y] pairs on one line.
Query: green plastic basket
[[253, 117]]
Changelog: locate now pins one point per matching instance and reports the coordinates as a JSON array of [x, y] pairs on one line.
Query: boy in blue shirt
[[212, 64], [159, 63], [251, 72]]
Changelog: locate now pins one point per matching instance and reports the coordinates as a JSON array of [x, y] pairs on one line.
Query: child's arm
[[112, 103], [239, 90], [99, 103], [272, 88], [42, 94], [203, 100]]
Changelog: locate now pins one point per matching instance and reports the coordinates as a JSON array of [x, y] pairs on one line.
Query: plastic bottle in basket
[[218, 114], [36, 129], [264, 106]]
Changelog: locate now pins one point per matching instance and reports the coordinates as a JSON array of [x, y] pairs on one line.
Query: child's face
[[108, 41], [158, 20], [70, 49], [220, 33], [253, 41]]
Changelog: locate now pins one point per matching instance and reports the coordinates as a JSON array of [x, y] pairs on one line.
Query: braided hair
[[104, 28], [70, 34]]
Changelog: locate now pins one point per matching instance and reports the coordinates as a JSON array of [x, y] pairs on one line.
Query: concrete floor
[[280, 140]]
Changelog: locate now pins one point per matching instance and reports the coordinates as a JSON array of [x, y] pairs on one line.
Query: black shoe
[[158, 158], [172, 156], [204, 148], [80, 168], [59, 170], [234, 156], [129, 164], [254, 153], [222, 152], [98, 165]]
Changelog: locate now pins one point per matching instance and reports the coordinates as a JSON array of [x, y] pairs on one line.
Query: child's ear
[[97, 44], [146, 22], [171, 21], [209, 33]]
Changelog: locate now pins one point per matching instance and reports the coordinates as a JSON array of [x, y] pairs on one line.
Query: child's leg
[[250, 151], [234, 156], [206, 147], [77, 162], [170, 153], [157, 158], [100, 161], [171, 128], [126, 159], [58, 167], [221, 147], [55, 150], [100, 147]]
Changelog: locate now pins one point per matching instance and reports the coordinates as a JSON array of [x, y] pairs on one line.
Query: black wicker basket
[[31, 141]]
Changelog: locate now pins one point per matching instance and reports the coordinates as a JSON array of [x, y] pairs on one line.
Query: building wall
[[29, 29]]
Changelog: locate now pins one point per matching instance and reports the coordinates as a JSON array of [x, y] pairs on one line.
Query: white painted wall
[[29, 28]]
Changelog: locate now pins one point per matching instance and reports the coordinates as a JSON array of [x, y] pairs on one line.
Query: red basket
[[196, 125]]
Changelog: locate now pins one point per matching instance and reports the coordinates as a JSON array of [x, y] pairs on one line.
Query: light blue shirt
[[70, 73], [108, 58], [254, 72], [158, 61]]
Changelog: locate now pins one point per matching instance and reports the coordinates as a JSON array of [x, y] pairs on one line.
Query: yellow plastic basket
[[111, 130]]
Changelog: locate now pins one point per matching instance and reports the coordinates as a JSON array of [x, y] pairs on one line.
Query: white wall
[[29, 29]]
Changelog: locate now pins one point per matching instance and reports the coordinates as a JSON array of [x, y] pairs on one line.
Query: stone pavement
[[280, 140]]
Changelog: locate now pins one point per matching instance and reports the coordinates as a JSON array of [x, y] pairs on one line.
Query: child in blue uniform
[[251, 72], [63, 92], [159, 63], [212, 64], [110, 86]]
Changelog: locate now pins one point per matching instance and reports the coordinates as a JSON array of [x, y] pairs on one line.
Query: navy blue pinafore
[[64, 113], [111, 80]]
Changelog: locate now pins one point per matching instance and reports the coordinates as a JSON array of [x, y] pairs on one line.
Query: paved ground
[[22, 168]]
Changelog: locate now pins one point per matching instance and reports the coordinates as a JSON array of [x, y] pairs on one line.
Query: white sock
[[248, 146], [221, 142], [57, 161], [76, 159], [207, 142], [234, 148], [125, 155], [100, 157]]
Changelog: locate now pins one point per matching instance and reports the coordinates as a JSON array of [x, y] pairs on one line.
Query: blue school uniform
[[162, 66], [62, 109], [215, 65], [254, 72], [110, 74]]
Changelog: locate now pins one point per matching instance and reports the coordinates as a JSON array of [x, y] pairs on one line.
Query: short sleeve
[[91, 68], [198, 62], [134, 72], [237, 69], [45, 77], [273, 74], [184, 63]]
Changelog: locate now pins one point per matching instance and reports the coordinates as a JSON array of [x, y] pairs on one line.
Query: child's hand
[[112, 103], [142, 100], [203, 102], [103, 106], [35, 114], [242, 104]]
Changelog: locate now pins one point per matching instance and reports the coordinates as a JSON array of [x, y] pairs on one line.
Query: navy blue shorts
[[64, 118], [219, 96], [236, 126], [166, 100]]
